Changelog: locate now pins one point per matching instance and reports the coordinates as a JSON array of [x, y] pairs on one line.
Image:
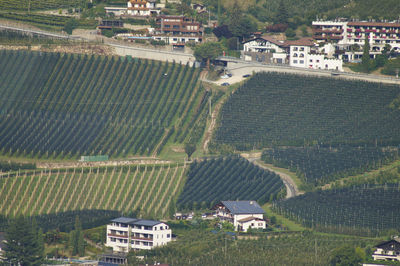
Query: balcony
[[141, 238], [117, 235]]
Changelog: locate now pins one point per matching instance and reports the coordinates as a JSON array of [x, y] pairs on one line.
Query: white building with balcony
[[242, 214], [389, 250], [125, 234]]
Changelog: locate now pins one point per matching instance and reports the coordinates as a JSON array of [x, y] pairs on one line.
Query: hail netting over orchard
[[65, 105], [320, 165], [284, 109], [232, 178], [367, 209]]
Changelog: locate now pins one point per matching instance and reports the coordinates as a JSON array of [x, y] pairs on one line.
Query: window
[[168, 236], [112, 239], [310, 60], [301, 55], [295, 49], [175, 26], [294, 55], [161, 228], [294, 61], [301, 48], [167, 26], [301, 61]]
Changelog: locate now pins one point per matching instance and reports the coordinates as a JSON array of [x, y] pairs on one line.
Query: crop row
[[365, 209], [24, 5], [320, 165], [284, 109], [149, 189], [231, 178], [71, 105]]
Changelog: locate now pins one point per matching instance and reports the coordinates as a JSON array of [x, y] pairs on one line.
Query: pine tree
[[366, 60], [23, 246]]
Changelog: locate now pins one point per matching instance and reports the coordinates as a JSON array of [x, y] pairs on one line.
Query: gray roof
[[243, 207], [146, 222], [134, 221], [123, 220]]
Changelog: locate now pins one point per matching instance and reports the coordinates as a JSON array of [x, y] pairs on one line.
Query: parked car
[[229, 74], [225, 84], [246, 75]]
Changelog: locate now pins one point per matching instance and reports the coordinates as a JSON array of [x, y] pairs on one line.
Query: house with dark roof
[[243, 214], [124, 234], [389, 250], [266, 49]]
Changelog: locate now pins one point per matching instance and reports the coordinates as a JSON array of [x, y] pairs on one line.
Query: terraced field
[[23, 5], [150, 189], [65, 106]]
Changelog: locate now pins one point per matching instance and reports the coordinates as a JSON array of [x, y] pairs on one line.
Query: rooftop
[[243, 207], [134, 221]]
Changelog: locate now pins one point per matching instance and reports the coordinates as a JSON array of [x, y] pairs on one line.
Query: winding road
[[291, 187]]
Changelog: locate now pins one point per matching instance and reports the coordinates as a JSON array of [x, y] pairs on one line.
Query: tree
[[239, 25], [208, 51], [346, 256], [76, 239], [366, 60], [190, 148], [70, 25], [282, 14], [24, 244]]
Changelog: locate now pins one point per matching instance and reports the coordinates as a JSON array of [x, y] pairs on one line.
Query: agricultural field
[[200, 247], [232, 178], [148, 190], [321, 165], [273, 109], [48, 21], [24, 5], [365, 210], [65, 105]]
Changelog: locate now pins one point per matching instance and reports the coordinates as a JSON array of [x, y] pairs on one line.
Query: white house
[[124, 234], [242, 214], [117, 11], [143, 8], [304, 53], [268, 45], [389, 250]]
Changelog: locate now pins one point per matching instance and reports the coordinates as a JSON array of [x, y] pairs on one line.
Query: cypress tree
[[366, 60]]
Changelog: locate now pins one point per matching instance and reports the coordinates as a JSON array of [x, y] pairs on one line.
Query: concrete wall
[[154, 54]]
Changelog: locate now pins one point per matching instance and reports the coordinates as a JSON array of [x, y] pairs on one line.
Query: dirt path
[[291, 187]]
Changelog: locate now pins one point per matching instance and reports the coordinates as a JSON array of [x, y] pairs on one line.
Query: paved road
[[291, 187]]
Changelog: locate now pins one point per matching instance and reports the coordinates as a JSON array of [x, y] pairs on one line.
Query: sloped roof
[[270, 39], [390, 245], [123, 220], [243, 207], [134, 221], [301, 42], [248, 219]]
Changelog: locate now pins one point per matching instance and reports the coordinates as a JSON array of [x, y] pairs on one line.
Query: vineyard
[[280, 109], [231, 178], [149, 190], [23, 5], [319, 165], [65, 106], [364, 210]]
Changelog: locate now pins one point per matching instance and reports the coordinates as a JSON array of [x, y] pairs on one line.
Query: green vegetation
[[273, 109], [320, 165], [197, 245], [49, 21], [231, 178], [65, 106], [24, 243], [26, 5], [149, 190], [17, 38], [363, 210]]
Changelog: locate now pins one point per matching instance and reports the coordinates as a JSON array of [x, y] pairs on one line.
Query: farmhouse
[[265, 49], [389, 250], [242, 214], [124, 234], [144, 8]]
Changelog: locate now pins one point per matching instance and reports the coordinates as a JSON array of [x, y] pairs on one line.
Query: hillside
[[149, 190], [66, 105], [274, 109], [364, 210], [231, 178]]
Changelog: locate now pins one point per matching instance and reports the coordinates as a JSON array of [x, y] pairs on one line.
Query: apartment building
[[143, 8], [350, 34], [178, 29], [124, 234]]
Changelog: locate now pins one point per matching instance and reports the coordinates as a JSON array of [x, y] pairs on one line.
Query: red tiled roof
[[301, 42], [373, 24]]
